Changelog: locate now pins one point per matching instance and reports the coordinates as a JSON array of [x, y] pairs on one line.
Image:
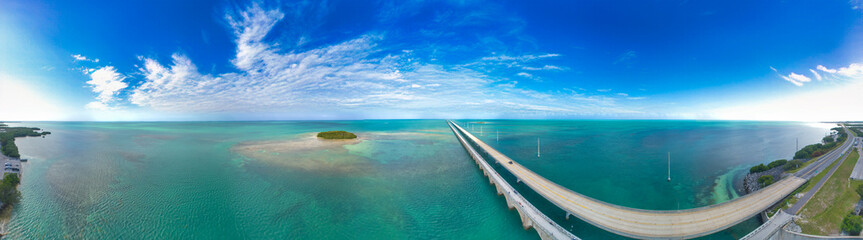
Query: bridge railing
[[540, 222]]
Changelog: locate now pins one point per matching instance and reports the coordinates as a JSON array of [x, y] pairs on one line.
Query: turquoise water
[[405, 179]]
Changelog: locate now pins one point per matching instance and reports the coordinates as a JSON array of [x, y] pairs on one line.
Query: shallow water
[[403, 179]]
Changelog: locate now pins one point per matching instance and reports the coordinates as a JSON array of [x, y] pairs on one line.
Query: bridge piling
[[530, 216]]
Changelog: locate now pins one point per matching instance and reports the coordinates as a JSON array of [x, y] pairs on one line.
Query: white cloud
[[352, 76], [797, 79], [817, 76], [546, 67], [79, 57], [524, 74], [107, 82], [853, 71], [825, 69], [623, 94], [522, 58], [603, 90]]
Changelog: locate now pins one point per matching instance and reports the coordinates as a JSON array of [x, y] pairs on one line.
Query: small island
[[336, 135]]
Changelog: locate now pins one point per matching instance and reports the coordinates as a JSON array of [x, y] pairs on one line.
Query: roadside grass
[[823, 214], [820, 175]]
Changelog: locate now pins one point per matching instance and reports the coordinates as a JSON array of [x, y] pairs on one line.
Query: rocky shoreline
[[750, 182]]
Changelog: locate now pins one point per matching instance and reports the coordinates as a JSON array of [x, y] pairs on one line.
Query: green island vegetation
[[826, 212], [765, 180], [336, 135], [8, 135], [9, 194]]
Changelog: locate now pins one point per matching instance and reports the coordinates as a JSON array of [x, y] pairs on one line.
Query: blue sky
[[225, 60]]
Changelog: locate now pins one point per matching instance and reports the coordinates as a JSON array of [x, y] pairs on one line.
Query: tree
[[765, 180], [852, 224], [776, 163], [9, 194], [793, 164], [759, 168], [860, 190]]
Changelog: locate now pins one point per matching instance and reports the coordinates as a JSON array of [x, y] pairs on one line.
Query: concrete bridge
[[639, 223], [530, 216]]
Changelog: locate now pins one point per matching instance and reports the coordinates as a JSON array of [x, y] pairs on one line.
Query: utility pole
[[669, 166]]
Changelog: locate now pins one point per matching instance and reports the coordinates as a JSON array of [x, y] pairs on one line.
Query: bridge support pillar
[[567, 215], [526, 223]]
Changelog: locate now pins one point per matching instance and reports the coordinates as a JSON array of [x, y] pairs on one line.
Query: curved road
[[650, 224]]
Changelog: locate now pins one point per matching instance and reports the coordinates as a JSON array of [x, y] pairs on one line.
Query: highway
[[819, 165], [530, 215], [645, 224]]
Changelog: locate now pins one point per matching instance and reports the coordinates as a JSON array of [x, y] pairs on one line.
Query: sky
[[286, 60]]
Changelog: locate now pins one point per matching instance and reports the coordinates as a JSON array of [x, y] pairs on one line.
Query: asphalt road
[[649, 224], [816, 167]]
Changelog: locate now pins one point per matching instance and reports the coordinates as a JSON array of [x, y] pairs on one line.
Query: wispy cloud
[[817, 76], [626, 57], [794, 78], [79, 57], [546, 67], [356, 75]]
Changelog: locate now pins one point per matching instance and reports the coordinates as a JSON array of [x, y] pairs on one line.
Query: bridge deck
[[530, 215], [639, 223]]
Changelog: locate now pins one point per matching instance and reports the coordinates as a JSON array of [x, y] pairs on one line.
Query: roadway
[[858, 168], [530, 215], [814, 168], [646, 224]]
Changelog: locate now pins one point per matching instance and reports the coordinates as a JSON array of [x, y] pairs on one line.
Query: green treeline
[[857, 130], [336, 135], [818, 149], [771, 165], [8, 135], [9, 194]]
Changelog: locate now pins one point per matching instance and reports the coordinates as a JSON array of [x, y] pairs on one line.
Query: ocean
[[402, 179]]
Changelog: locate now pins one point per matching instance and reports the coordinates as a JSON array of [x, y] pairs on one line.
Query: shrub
[[860, 190], [765, 180], [793, 164], [852, 224], [759, 168], [776, 163]]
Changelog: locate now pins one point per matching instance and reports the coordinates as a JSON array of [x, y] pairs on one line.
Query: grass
[[824, 212]]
